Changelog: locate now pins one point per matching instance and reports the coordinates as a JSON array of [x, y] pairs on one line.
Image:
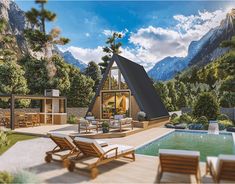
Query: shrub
[[169, 125], [105, 127], [225, 124], [141, 116], [173, 116], [72, 119], [206, 105], [25, 177], [202, 120], [185, 118], [3, 139], [198, 126], [223, 117], [181, 126], [5, 177], [89, 114], [175, 120]]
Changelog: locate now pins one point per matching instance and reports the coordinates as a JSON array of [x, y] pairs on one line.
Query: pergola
[[14, 97]]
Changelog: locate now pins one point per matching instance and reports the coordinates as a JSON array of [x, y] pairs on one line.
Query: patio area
[[143, 170]]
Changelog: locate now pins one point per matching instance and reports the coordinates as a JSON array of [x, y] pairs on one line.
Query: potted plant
[[141, 116], [105, 127]]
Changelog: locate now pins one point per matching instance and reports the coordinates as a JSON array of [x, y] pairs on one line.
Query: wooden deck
[[72, 130]]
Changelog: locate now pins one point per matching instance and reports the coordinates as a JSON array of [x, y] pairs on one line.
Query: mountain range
[[69, 58], [200, 52]]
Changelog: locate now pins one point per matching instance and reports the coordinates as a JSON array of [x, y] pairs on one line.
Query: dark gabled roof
[[140, 85]]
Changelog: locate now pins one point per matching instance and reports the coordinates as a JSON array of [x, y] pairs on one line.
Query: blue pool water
[[207, 144]]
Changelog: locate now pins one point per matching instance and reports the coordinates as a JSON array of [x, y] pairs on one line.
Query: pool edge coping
[[178, 130]]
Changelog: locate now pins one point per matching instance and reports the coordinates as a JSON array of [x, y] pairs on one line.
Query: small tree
[[163, 92], [172, 94], [113, 47], [12, 81], [227, 100], [182, 100], [35, 70], [206, 105], [81, 92], [93, 71]]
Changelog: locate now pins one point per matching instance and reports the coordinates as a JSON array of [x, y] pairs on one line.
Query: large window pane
[[108, 105], [123, 103], [123, 83], [115, 103], [106, 84], [114, 78]]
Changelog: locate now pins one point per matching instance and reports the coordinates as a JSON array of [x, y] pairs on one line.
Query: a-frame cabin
[[126, 89]]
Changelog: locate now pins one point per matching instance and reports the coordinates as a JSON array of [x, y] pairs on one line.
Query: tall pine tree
[[39, 39], [113, 47]]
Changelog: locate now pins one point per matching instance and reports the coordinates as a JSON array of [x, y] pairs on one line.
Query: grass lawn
[[13, 138]]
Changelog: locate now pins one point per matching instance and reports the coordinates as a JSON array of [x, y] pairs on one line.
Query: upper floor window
[[115, 80]]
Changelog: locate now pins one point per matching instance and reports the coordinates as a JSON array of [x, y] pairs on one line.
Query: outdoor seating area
[[117, 123]]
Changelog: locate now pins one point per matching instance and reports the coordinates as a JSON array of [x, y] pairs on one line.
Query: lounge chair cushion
[[86, 140], [227, 157], [121, 149], [214, 163], [60, 135], [179, 152]]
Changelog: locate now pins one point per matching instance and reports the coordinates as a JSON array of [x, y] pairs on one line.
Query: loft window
[[115, 80]]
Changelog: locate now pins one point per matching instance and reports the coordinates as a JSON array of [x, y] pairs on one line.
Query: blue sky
[[150, 29]]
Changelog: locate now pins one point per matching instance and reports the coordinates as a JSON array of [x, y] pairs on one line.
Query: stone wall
[[80, 112], [77, 111]]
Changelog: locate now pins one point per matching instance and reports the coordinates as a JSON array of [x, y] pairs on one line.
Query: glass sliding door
[[115, 103]]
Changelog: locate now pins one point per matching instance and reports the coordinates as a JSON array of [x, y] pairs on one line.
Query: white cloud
[[86, 54], [108, 32], [152, 44], [87, 34], [156, 43]]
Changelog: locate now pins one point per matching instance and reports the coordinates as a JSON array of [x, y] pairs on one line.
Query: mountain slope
[[69, 58], [200, 52]]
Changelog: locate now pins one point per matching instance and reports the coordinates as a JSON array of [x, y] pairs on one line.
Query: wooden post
[[12, 111], [65, 105]]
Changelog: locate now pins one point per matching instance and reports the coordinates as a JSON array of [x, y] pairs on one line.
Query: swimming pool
[[207, 144]]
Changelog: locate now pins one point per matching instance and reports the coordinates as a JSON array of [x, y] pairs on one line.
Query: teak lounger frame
[[181, 164], [224, 171], [62, 144], [91, 150]]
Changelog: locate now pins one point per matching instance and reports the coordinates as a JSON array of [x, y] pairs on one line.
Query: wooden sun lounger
[[64, 148], [221, 167], [179, 161], [91, 149]]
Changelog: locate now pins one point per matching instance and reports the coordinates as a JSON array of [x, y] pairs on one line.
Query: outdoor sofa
[[119, 122]]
